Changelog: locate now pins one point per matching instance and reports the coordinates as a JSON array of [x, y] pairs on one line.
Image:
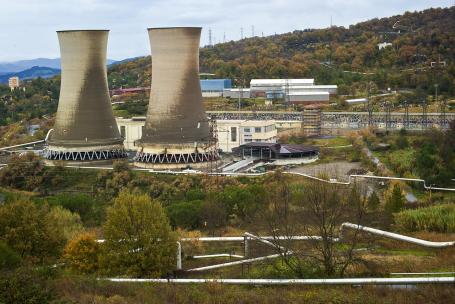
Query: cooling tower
[[177, 130], [85, 128]]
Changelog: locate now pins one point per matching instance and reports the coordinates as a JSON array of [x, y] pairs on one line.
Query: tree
[[139, 239], [395, 200], [373, 202], [65, 222], [313, 208], [25, 227], [82, 253]]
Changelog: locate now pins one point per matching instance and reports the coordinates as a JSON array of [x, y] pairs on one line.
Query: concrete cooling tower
[[85, 128], [177, 131]]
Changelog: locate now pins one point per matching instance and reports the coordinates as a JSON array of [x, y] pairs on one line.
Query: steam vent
[[85, 128], [177, 132]]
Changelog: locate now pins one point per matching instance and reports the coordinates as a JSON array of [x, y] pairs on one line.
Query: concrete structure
[[177, 131], [233, 133], [308, 97], [13, 82], [273, 151], [85, 128], [230, 133], [302, 91], [235, 93], [259, 87], [214, 87]]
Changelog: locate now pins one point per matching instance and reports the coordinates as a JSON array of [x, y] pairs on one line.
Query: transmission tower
[[252, 31], [210, 37], [406, 115], [442, 117], [241, 33], [388, 116], [424, 114]]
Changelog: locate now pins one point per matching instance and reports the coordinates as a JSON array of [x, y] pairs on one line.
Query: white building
[[308, 97], [259, 87], [13, 82], [231, 133], [235, 93]]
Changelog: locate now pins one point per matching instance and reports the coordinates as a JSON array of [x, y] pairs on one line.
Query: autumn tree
[[138, 238], [82, 253]]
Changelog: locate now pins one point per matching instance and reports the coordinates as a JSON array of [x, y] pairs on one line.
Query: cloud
[[28, 26]]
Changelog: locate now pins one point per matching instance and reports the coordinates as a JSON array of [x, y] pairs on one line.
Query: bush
[[26, 228], [185, 214], [82, 253], [84, 205], [8, 257], [24, 286], [439, 218]]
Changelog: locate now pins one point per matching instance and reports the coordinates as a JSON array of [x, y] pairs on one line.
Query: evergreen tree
[[395, 202]]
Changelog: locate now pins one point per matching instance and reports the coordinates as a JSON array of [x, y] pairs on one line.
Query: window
[[123, 131], [233, 133], [246, 130], [257, 130]]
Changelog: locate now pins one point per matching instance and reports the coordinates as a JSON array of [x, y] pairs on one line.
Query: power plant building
[[85, 128], [177, 132]]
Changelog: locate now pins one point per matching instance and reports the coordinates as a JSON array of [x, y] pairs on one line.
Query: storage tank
[[85, 128], [177, 132]]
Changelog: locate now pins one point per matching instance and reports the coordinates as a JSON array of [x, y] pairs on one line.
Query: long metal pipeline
[[347, 281], [398, 237]]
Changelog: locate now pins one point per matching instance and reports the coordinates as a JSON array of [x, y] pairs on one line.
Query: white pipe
[[420, 273], [265, 241], [352, 176], [241, 238], [22, 145], [179, 256], [347, 281], [398, 237], [216, 266], [218, 255]]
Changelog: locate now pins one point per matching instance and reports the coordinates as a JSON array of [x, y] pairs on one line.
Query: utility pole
[[406, 115], [210, 37], [424, 114], [224, 37]]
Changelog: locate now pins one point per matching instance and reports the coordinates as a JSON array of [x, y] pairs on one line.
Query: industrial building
[[233, 133], [236, 93], [177, 132], [85, 128], [276, 151], [214, 87], [230, 133], [259, 87], [13, 82], [300, 91]]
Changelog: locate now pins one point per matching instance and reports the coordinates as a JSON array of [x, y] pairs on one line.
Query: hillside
[[33, 72], [335, 55]]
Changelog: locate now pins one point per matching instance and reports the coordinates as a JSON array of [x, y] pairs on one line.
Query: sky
[[27, 27]]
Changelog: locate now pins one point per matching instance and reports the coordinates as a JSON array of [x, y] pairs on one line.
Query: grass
[[440, 218]]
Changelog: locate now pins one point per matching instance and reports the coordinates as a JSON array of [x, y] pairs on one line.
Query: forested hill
[[335, 55]]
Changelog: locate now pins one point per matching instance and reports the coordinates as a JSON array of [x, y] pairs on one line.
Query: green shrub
[[439, 218], [185, 214], [24, 286], [8, 257]]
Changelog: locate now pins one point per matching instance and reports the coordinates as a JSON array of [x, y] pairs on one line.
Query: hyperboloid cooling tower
[[85, 128], [177, 130]]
